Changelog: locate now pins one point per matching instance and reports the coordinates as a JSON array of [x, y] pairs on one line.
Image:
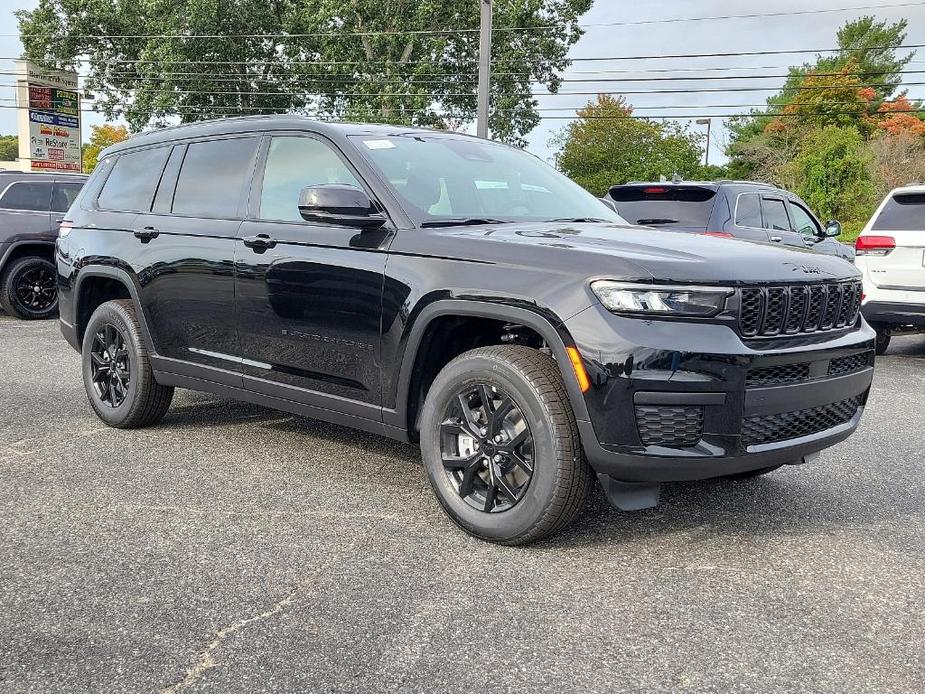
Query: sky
[[644, 32]]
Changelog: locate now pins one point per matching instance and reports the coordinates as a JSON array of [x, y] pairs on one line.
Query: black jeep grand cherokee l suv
[[434, 287]]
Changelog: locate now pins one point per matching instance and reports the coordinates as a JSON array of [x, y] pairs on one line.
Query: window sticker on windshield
[[379, 144]]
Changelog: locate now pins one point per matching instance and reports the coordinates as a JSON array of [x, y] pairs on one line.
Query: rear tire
[[117, 371], [541, 483], [883, 341], [28, 288]]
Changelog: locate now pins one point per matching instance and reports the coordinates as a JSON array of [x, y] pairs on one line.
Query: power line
[[468, 30], [456, 78], [673, 56]]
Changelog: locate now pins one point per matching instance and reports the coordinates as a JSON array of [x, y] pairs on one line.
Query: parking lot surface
[[237, 549]]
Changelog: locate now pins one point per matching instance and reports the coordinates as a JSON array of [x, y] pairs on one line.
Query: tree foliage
[[9, 147], [835, 130], [605, 146], [391, 60], [101, 136]]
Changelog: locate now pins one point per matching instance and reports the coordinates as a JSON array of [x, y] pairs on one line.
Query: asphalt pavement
[[233, 548]]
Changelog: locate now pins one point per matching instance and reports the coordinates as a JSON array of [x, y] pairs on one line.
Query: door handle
[[776, 239], [259, 243], [146, 234]]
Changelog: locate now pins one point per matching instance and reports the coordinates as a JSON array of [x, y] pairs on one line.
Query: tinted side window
[[213, 177], [27, 196], [803, 221], [64, 195], [775, 215], [903, 212], [748, 210], [133, 180], [292, 164]]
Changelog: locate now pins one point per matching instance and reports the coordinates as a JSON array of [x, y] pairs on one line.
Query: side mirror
[[340, 204], [832, 229]]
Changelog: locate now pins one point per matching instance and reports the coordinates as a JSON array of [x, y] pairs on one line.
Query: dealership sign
[[49, 130]]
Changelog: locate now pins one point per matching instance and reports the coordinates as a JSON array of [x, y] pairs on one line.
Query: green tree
[[606, 146], [9, 147], [101, 136], [410, 62], [833, 174]]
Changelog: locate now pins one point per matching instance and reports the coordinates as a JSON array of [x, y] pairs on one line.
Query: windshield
[[442, 177]]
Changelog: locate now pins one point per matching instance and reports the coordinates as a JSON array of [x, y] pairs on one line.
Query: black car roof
[[239, 124], [42, 175]]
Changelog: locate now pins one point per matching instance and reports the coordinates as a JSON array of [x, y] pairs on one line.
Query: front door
[[308, 296]]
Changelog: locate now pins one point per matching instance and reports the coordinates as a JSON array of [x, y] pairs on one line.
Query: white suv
[[891, 254]]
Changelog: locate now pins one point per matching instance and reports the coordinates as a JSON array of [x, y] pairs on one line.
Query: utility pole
[[707, 122], [484, 69]]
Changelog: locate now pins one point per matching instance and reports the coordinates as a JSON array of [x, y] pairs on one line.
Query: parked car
[[433, 287], [739, 209], [31, 206], [891, 256]]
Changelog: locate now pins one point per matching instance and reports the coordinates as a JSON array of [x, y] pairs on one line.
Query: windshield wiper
[[657, 220], [581, 220], [461, 222]]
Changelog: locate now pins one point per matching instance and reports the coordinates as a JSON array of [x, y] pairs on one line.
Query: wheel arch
[[547, 326], [94, 286], [25, 249]]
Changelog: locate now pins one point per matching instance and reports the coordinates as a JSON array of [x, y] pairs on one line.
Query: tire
[[883, 341], [751, 474], [28, 288], [560, 479], [113, 334]]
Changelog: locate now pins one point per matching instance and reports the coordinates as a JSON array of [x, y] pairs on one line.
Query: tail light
[[718, 234], [874, 245], [64, 228]]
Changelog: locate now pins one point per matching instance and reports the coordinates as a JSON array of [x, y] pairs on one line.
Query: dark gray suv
[[736, 209], [31, 207]]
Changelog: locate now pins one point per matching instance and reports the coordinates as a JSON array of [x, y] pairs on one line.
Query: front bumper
[[894, 313], [720, 405]]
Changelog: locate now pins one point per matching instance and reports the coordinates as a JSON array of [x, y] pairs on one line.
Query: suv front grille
[[790, 425], [798, 309], [675, 427]]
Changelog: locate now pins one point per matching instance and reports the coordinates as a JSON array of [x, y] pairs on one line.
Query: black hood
[[658, 255]]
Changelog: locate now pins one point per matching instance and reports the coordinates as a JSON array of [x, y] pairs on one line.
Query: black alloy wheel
[[110, 367], [486, 448], [35, 289]]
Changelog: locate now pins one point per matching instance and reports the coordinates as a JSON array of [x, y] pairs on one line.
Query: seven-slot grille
[[797, 309]]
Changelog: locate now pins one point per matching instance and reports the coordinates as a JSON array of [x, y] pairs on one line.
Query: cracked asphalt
[[237, 549]]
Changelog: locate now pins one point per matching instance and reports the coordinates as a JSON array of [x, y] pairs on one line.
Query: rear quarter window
[[902, 212], [133, 180]]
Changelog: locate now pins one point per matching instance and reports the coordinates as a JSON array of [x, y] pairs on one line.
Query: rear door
[[185, 249], [62, 197], [777, 221], [902, 217], [747, 218]]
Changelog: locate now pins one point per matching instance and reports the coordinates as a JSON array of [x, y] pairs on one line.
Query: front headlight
[[643, 299]]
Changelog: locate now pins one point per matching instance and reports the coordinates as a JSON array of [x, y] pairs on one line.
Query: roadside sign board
[[49, 122]]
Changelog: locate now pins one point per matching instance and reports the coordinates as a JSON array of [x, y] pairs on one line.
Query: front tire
[[117, 371], [501, 446], [29, 289]]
